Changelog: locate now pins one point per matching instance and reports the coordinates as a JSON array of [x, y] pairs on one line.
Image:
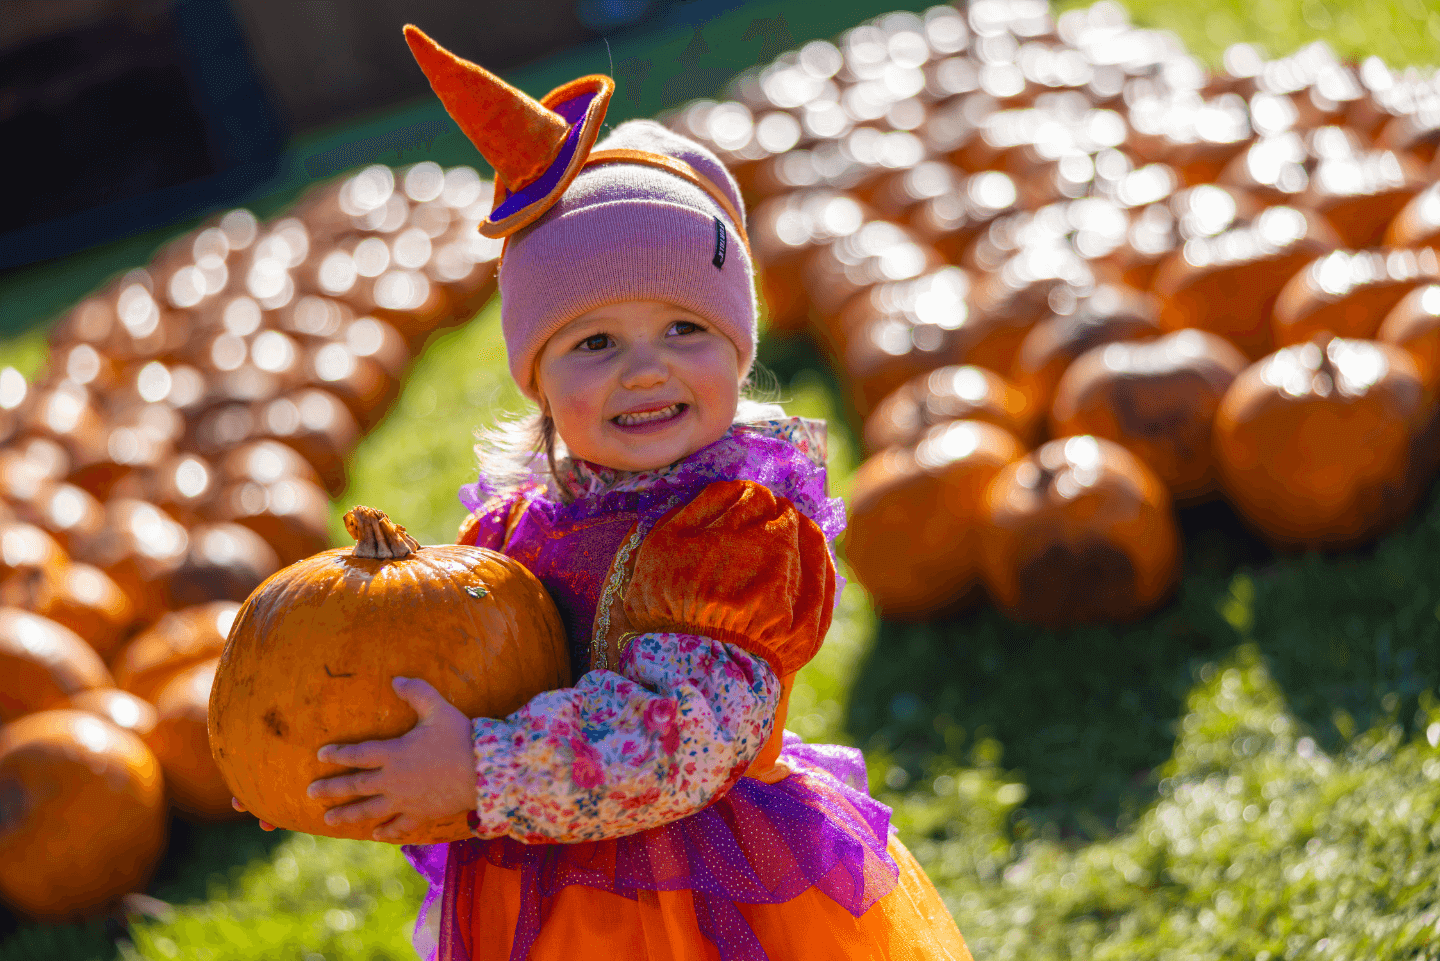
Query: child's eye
[[685, 327], [595, 342]]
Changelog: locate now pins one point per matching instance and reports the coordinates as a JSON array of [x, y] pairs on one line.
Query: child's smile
[[640, 384]]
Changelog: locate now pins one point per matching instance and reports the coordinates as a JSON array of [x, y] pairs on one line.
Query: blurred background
[[125, 116]]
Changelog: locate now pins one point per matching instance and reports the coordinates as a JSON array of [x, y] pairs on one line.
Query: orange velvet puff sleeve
[[739, 565]]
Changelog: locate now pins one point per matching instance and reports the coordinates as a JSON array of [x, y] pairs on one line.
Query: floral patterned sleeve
[[619, 753]]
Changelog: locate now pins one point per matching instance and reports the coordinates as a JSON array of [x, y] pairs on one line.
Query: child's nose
[[643, 366]]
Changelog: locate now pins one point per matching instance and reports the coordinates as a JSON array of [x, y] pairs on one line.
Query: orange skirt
[[908, 924]]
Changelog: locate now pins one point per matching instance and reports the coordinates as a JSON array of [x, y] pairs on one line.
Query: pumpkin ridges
[[312, 654]]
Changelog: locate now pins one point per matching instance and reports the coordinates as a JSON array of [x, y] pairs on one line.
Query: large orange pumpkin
[[82, 814], [313, 652], [1319, 444]]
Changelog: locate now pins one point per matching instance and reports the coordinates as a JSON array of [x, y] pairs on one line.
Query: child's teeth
[[628, 420]]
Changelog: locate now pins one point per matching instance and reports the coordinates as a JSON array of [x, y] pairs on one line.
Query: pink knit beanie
[[629, 231]]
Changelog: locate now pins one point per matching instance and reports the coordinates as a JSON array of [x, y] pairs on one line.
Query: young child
[[657, 808]]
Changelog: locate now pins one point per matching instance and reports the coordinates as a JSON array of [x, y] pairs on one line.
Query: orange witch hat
[[537, 147]]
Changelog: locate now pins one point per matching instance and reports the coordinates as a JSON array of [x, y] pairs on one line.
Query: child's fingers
[[364, 754], [419, 694], [366, 809], [396, 828], [264, 825], [355, 784]]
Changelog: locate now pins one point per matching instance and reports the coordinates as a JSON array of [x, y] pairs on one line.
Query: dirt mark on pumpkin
[[276, 723]]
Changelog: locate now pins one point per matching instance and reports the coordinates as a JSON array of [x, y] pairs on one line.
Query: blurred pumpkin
[[1348, 293], [311, 657], [224, 562], [290, 514], [1227, 284], [1317, 443], [79, 596], [43, 663], [318, 426], [82, 814], [1414, 325], [784, 232], [120, 708], [1359, 195], [913, 535], [1418, 222], [1080, 531], [142, 548], [1108, 314], [181, 742], [179, 640], [948, 393], [1157, 399]]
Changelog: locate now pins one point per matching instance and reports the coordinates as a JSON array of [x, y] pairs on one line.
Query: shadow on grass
[[1084, 716], [199, 858]]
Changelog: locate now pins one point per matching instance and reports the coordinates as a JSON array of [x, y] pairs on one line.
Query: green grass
[[1252, 772]]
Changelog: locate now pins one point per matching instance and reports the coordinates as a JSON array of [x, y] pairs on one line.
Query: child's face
[[640, 357]]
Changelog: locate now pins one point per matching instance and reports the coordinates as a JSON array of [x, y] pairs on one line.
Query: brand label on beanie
[[719, 259]]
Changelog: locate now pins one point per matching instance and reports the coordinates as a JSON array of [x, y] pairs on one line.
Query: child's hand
[[425, 774], [264, 825]]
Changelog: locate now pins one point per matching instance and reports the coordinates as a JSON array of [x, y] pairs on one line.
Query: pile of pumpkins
[[1070, 279], [182, 445]]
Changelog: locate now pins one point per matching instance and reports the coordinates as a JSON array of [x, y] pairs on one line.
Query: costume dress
[[658, 809]]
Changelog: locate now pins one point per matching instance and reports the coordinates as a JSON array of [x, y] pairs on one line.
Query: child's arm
[[616, 754], [623, 752]]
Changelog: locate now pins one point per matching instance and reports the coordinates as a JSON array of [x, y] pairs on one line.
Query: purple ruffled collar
[[785, 455]]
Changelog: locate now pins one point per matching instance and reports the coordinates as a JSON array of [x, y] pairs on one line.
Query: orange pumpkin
[[949, 393], [120, 708], [179, 640], [142, 548], [1361, 194], [1227, 284], [1157, 399], [1348, 293], [1078, 532], [82, 814], [181, 742], [912, 539], [784, 232], [312, 653], [1414, 324], [1111, 313], [225, 562], [25, 548], [79, 596], [1418, 222], [43, 663], [1317, 443], [291, 514]]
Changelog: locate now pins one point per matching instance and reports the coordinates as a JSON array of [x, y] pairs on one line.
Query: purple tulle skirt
[[758, 844]]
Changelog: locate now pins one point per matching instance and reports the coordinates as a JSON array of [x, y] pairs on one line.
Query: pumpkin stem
[[377, 536]]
